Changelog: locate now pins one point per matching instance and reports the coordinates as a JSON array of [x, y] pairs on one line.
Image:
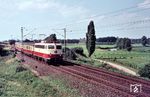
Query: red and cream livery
[[46, 51]]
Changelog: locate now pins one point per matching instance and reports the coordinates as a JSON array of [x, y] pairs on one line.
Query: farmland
[[136, 59]]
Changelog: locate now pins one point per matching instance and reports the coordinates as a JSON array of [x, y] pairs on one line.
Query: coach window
[[42, 46], [50, 47], [36, 46], [39, 46]]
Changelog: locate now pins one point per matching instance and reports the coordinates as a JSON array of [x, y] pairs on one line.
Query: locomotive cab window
[[58, 47], [50, 47]]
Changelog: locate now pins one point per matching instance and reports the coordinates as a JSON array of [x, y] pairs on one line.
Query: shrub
[[67, 49], [69, 54], [114, 59], [79, 50], [104, 65], [145, 72], [20, 69], [4, 52], [11, 42]]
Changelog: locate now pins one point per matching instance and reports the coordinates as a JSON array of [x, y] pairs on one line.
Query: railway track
[[114, 77], [116, 83], [98, 79]]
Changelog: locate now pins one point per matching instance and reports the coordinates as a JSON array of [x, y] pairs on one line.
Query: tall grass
[[25, 84]]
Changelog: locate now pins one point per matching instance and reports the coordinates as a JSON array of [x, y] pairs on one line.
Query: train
[[49, 52]]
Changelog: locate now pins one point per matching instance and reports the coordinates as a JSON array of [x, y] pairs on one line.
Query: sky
[[40, 18]]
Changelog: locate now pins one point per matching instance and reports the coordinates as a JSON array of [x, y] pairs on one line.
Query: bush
[[20, 69], [4, 52], [11, 42], [67, 49], [104, 65], [145, 72], [69, 54], [79, 50]]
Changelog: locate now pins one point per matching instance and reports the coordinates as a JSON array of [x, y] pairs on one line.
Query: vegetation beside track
[[22, 83], [135, 59]]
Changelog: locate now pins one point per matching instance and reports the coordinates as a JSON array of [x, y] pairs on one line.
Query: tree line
[[102, 40], [106, 39]]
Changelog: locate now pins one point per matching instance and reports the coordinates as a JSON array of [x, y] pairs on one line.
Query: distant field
[[137, 58]]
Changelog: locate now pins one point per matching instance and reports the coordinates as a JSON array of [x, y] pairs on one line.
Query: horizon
[[76, 38]]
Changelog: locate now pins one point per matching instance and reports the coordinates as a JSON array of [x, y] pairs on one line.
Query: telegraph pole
[[22, 36], [65, 41], [22, 44], [65, 44]]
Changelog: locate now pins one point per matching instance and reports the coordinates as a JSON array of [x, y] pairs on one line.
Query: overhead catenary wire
[[108, 15], [75, 22]]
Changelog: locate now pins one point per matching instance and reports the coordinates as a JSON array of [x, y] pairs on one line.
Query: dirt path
[[119, 67]]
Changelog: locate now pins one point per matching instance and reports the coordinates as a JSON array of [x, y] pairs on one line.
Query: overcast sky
[[43, 16]]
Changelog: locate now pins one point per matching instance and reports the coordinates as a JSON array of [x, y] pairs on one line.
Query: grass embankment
[[25, 84]]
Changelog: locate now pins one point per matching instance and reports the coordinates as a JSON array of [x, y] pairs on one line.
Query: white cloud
[[35, 5], [145, 4], [51, 5], [73, 11], [63, 9]]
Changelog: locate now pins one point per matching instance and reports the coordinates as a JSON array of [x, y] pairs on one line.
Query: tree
[[12, 42], [120, 43], [106, 39], [27, 40], [51, 38], [124, 43], [128, 44], [90, 38], [144, 40]]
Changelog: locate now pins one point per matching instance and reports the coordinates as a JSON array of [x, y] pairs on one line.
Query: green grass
[[137, 58], [25, 84], [93, 63]]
